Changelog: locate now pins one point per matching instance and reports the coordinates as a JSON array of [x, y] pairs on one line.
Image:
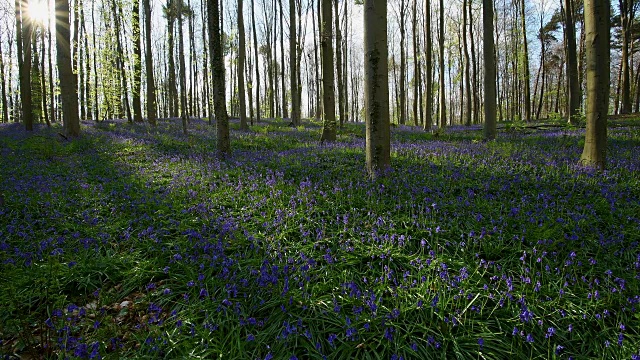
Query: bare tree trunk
[[183, 76], [283, 93], [137, 62], [170, 14], [241, 59], [626, 18], [5, 106], [23, 36], [376, 87], [467, 65], [442, 110], [428, 67], [596, 14], [120, 62], [341, 109], [148, 63], [525, 63], [416, 63], [573, 87], [489, 72], [257, 64], [43, 79], [403, 63], [68, 80], [328, 98], [217, 69], [293, 69]]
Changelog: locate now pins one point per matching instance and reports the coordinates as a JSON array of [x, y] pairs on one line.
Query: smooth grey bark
[[596, 18], [489, 72], [376, 88], [525, 62], [428, 107], [573, 87], [68, 79], [148, 63], [328, 96], [341, 106], [293, 65], [137, 62], [257, 63], [467, 65], [442, 105], [241, 59], [627, 13], [217, 70]]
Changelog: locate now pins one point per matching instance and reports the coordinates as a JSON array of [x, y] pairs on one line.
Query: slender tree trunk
[[328, 98], [442, 110], [573, 87], [316, 36], [5, 106], [376, 87], [490, 71], [23, 35], [257, 64], [217, 69], [626, 18], [241, 59], [596, 13], [96, 107], [137, 62], [120, 61], [403, 63], [467, 65], [293, 70], [341, 109], [68, 80], [283, 93], [416, 63], [474, 63], [428, 67], [173, 91], [43, 79], [148, 63], [183, 71], [525, 62]]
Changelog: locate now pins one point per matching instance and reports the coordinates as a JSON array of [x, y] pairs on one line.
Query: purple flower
[[250, 337], [559, 349], [481, 342], [529, 338]]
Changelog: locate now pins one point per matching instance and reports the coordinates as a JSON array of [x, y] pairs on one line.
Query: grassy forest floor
[[133, 242]]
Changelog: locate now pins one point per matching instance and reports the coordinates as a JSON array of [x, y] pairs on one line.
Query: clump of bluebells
[[138, 242]]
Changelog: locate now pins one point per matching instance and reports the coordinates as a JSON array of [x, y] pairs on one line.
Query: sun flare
[[39, 11]]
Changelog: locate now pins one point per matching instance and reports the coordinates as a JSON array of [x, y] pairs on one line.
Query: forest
[[319, 179]]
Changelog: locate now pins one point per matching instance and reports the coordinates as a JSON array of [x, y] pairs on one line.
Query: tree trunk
[[573, 87], [626, 18], [416, 63], [173, 91], [341, 109], [428, 67], [442, 109], [241, 59], [403, 64], [183, 73], [283, 93], [596, 14], [148, 63], [3, 88], [217, 70], [376, 87], [490, 71], [467, 65], [525, 62], [293, 69], [137, 62], [120, 62], [328, 98], [257, 64], [68, 80], [23, 41]]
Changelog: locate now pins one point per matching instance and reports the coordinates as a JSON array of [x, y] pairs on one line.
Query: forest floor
[[135, 242]]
